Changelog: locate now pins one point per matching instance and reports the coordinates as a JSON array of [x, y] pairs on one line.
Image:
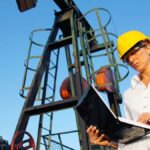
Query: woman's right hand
[[99, 139]]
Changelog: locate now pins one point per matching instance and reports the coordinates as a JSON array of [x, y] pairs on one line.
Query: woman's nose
[[131, 58]]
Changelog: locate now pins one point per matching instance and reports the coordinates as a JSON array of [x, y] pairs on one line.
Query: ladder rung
[[102, 46], [50, 97], [52, 75], [44, 144], [55, 53], [52, 67], [48, 100], [45, 129], [50, 87], [49, 115], [99, 47], [45, 136], [52, 62]]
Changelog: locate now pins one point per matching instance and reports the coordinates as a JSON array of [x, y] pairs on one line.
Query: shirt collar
[[134, 81]]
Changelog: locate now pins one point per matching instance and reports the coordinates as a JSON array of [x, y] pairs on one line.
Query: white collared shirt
[[137, 101]]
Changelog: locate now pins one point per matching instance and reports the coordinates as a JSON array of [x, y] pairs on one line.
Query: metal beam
[[54, 106], [62, 4], [60, 43]]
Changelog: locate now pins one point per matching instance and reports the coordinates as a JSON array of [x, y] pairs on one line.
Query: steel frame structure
[[70, 21]]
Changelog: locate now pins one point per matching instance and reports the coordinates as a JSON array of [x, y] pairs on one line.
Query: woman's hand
[[144, 118], [99, 139]]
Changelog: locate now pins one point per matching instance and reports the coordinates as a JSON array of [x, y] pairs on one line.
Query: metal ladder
[[44, 133]]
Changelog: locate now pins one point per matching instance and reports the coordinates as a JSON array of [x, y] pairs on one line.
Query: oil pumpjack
[[80, 38]]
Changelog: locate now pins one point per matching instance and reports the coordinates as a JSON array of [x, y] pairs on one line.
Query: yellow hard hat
[[128, 39]]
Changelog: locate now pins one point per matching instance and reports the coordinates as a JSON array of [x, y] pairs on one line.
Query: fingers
[[143, 118], [96, 138], [103, 142], [93, 131], [102, 137]]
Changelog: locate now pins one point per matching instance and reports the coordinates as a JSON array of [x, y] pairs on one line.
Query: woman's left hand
[[144, 118]]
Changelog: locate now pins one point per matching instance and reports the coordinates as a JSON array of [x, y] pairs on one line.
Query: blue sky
[[15, 28]]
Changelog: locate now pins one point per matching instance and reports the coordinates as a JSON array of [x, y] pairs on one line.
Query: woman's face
[[139, 58]]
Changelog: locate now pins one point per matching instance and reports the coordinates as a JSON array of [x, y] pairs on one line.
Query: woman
[[134, 49]]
